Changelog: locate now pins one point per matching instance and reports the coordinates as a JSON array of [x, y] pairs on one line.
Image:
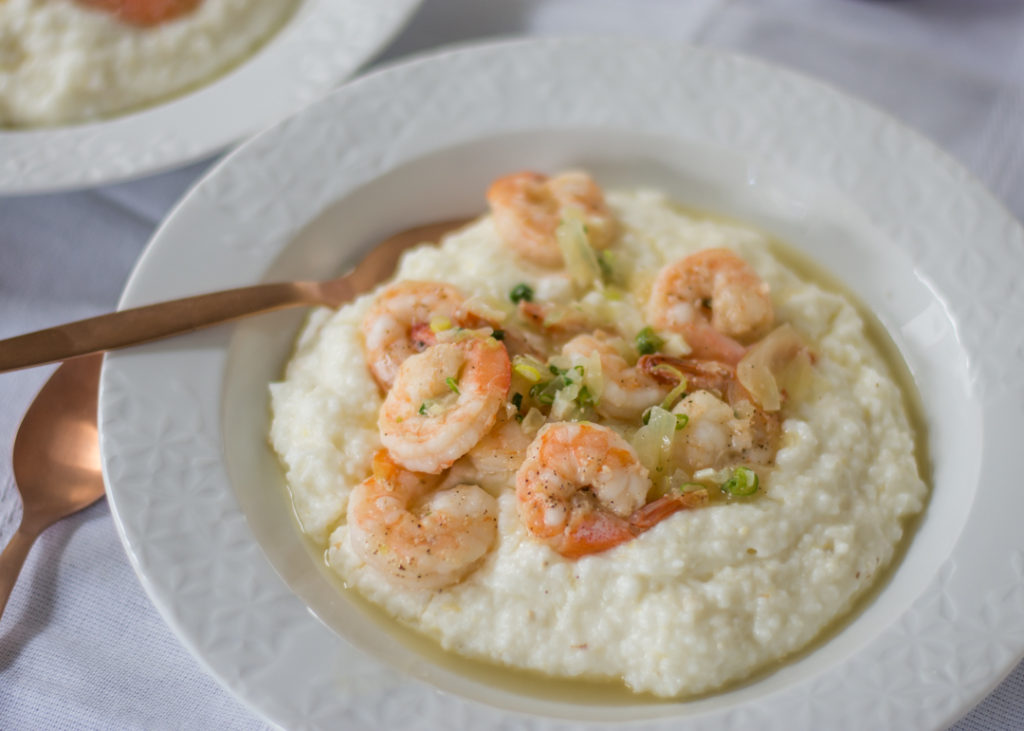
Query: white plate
[[198, 496], [321, 43]]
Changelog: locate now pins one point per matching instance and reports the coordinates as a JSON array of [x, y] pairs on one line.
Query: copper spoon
[[56, 459], [56, 452], [143, 324]]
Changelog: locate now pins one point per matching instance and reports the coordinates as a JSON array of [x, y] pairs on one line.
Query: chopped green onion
[[681, 421], [647, 341], [423, 408], [521, 292], [606, 260], [452, 384], [678, 391], [744, 482], [647, 415], [528, 368], [527, 371], [691, 487], [439, 324], [517, 400], [612, 293], [543, 392], [498, 334]]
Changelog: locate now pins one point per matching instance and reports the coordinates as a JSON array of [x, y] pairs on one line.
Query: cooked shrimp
[[707, 375], [501, 450], [720, 434], [712, 298], [397, 325], [144, 12], [418, 537], [528, 207], [725, 425], [443, 401], [627, 390], [581, 490]]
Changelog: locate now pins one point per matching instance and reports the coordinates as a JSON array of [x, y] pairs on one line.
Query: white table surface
[[81, 646]]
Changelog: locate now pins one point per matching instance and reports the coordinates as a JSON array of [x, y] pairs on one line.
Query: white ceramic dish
[[198, 496], [323, 42]]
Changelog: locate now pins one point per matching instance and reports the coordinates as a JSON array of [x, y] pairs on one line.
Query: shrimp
[[725, 425], [143, 12], [582, 490], [443, 401], [501, 450], [712, 298], [528, 207], [707, 375], [416, 536], [627, 390], [397, 325], [720, 434]]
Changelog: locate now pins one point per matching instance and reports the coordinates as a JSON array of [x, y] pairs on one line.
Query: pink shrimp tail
[[597, 531], [657, 510], [593, 532], [709, 343]]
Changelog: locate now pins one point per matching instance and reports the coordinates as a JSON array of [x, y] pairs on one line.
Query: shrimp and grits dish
[[593, 436], [71, 61]]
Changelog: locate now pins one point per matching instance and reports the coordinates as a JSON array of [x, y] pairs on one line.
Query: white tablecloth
[[80, 644]]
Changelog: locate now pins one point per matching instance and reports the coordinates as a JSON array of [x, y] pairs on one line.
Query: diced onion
[[529, 368], [779, 361], [674, 345], [593, 376], [488, 311], [564, 406], [533, 421], [580, 259], [653, 441]]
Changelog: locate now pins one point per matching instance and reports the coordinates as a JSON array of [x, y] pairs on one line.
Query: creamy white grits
[[705, 597], [62, 62]]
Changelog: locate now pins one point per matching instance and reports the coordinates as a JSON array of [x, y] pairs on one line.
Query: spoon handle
[[142, 324], [11, 561]]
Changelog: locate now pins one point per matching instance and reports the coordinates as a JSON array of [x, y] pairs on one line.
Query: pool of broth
[[611, 691]]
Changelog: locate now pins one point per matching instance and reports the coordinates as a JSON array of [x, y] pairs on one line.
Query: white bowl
[[320, 44], [199, 497]]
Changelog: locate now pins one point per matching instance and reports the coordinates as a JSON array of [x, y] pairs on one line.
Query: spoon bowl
[[56, 459]]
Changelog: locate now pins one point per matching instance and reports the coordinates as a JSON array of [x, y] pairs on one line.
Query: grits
[[62, 62], [705, 597]]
